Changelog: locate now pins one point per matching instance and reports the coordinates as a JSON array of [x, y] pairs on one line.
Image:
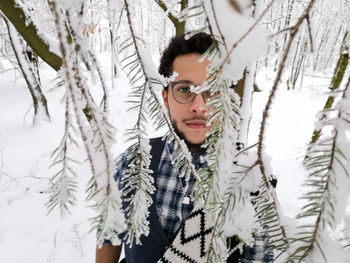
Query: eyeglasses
[[182, 92]]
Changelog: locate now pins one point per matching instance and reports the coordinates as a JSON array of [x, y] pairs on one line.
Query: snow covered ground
[[28, 234]]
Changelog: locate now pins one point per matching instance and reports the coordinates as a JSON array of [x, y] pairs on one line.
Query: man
[[189, 116]]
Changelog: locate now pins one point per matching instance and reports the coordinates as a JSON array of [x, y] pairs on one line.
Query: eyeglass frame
[[172, 84]]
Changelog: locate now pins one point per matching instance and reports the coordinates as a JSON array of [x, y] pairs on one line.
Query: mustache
[[197, 118]]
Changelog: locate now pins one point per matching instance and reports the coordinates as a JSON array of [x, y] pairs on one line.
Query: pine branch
[[101, 129], [219, 186], [328, 169], [96, 137], [137, 181], [157, 103], [84, 54], [63, 185], [337, 78], [73, 79], [69, 80], [267, 204]]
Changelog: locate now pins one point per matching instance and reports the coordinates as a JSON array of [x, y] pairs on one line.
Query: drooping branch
[[68, 76], [98, 121], [29, 32], [168, 122], [328, 172], [92, 64], [294, 30], [63, 184], [270, 195], [96, 137]]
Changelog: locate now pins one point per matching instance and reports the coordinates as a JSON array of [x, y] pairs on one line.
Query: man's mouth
[[196, 124]]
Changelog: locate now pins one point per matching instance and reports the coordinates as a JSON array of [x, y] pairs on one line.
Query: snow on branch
[[267, 202], [220, 188], [143, 78], [95, 131], [64, 183], [327, 183], [137, 181]]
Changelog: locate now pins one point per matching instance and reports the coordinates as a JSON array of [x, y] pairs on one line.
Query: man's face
[[189, 119]]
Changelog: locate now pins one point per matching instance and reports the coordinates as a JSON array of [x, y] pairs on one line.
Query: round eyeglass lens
[[182, 93]]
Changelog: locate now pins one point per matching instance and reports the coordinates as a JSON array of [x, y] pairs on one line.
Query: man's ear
[[165, 98]]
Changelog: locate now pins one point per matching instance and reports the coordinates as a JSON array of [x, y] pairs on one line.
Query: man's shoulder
[[123, 160], [157, 146], [157, 143]]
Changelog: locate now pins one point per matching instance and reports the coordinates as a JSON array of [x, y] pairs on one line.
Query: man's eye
[[184, 89]]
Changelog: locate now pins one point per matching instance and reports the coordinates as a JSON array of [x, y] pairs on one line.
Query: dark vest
[[154, 245]]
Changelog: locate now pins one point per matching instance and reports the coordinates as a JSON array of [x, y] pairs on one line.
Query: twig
[[281, 31], [143, 95]]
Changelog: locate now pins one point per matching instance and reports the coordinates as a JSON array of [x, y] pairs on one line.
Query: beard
[[193, 147]]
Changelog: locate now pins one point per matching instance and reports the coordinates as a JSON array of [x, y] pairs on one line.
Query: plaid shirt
[[171, 191]]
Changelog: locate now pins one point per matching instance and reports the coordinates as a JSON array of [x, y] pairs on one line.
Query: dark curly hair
[[178, 45]]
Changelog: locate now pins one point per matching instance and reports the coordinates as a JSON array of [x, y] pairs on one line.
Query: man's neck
[[195, 148]]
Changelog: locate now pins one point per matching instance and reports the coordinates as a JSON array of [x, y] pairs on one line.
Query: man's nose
[[198, 104]]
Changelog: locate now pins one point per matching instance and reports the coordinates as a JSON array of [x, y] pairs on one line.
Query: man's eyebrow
[[181, 82]]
